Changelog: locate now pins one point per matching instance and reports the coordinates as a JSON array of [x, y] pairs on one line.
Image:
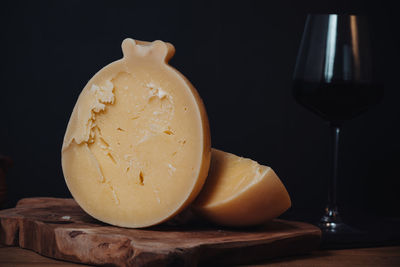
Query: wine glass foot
[[335, 228], [331, 223]]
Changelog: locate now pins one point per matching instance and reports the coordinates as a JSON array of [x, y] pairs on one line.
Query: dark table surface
[[374, 256]]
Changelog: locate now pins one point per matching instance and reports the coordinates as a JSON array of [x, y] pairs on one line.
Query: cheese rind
[[240, 192], [137, 146]]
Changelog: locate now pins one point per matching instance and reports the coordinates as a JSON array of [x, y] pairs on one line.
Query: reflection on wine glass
[[333, 78]]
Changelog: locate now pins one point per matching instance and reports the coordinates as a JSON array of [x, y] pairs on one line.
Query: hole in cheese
[[169, 132], [111, 157], [141, 178]]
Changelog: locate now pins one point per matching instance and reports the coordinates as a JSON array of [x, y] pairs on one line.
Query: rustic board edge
[[57, 241]]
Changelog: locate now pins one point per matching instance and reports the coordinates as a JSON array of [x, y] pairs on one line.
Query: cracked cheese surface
[[241, 192], [137, 146]]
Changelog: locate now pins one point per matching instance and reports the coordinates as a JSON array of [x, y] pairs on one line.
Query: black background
[[239, 55]]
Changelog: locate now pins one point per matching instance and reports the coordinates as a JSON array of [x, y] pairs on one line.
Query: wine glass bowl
[[333, 78], [333, 74]]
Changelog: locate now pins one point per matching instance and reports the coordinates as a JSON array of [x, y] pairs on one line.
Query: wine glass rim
[[337, 14]]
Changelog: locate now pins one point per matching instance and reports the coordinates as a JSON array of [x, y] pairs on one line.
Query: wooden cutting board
[[60, 229]]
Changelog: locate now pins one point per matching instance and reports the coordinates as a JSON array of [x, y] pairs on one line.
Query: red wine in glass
[[333, 78], [337, 101]]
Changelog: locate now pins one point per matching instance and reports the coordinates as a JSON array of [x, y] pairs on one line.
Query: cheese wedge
[[240, 192], [137, 147]]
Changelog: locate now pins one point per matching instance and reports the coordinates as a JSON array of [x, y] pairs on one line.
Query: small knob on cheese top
[[158, 50], [240, 192]]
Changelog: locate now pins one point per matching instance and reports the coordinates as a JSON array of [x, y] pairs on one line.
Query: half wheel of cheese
[[137, 147]]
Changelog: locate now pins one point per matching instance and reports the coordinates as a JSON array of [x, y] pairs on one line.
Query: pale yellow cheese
[[240, 192], [137, 147]]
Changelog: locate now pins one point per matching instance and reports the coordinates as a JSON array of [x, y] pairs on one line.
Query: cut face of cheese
[[137, 146], [240, 192]]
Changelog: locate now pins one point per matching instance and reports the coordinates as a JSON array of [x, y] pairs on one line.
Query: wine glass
[[333, 78]]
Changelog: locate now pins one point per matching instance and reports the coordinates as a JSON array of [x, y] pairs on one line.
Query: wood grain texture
[[59, 228], [366, 257], [18, 257]]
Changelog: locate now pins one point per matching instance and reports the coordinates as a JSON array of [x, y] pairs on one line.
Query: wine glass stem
[[333, 182], [331, 219]]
